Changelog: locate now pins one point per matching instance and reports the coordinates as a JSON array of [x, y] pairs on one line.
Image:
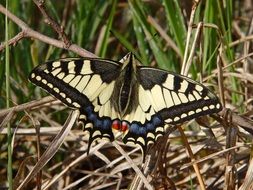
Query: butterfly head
[[129, 60]]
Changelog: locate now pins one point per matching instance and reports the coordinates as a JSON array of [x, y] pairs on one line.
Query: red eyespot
[[124, 126], [121, 126], [116, 124]]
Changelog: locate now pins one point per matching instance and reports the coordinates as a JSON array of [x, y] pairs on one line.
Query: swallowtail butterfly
[[141, 102]]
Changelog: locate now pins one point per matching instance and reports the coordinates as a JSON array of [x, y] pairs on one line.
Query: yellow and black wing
[[84, 84], [164, 99]]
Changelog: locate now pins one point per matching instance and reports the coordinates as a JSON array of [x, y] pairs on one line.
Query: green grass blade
[[123, 40], [226, 27], [176, 23], [142, 43], [210, 36], [97, 20], [86, 24], [155, 45], [104, 43], [7, 75]]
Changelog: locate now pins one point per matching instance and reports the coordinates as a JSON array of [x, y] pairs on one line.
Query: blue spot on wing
[[136, 130], [92, 117], [156, 120], [101, 124], [150, 126], [98, 122], [88, 109], [106, 124]]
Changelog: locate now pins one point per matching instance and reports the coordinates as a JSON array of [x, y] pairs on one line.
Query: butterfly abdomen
[[124, 96]]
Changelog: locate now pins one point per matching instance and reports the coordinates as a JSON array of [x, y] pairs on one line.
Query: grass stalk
[[7, 74]]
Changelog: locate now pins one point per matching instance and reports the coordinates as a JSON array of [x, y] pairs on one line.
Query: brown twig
[[238, 120], [30, 33], [191, 155], [14, 40], [51, 22], [28, 105]]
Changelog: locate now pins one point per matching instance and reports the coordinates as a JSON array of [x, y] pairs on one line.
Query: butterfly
[[124, 96]]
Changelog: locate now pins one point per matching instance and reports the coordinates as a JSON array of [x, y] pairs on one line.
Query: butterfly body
[[141, 102], [126, 86]]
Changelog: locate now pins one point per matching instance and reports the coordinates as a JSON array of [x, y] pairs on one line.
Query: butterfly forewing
[[177, 98]]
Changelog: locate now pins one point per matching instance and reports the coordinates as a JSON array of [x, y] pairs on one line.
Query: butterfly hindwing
[[84, 84]]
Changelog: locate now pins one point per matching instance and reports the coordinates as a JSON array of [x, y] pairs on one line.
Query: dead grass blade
[[133, 165], [248, 181], [52, 149], [6, 119]]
